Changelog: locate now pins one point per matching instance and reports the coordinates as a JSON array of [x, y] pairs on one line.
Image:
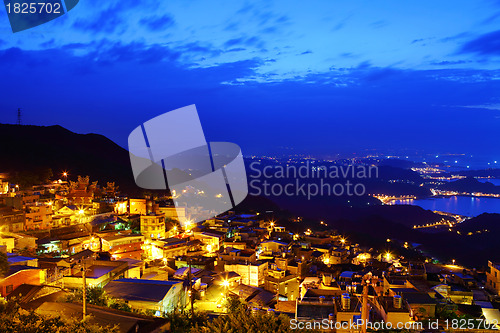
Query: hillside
[[470, 185], [27, 152]]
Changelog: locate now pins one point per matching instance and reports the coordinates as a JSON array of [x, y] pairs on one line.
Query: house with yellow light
[[156, 295], [211, 240], [153, 225], [38, 217]]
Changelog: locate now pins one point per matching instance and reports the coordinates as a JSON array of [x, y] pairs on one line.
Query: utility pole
[[191, 294], [278, 292], [364, 307], [84, 292], [19, 116]]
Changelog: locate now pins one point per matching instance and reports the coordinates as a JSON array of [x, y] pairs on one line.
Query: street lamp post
[[84, 300]]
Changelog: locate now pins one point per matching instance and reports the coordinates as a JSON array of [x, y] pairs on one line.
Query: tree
[[184, 322], [97, 296], [233, 304], [4, 265], [241, 321], [47, 175], [94, 295], [13, 319]]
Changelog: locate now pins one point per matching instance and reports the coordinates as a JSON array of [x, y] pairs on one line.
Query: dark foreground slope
[[27, 152]]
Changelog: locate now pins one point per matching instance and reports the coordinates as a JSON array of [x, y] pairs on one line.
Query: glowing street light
[[225, 283], [388, 256], [81, 212]]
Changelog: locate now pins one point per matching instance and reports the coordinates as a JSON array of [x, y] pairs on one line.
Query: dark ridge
[[28, 150]]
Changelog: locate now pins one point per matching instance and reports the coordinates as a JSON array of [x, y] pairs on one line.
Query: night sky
[[317, 77]]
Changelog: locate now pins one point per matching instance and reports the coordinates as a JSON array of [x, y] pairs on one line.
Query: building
[[393, 309], [21, 274], [38, 217], [11, 220], [120, 245], [231, 254], [4, 186], [174, 213], [125, 322], [283, 284], [140, 206], [168, 247], [421, 305], [69, 215], [98, 273], [15, 259], [211, 240], [493, 277], [252, 274], [153, 225], [202, 262], [348, 311], [272, 247], [315, 306], [455, 293], [56, 269], [158, 296], [8, 243], [82, 191]]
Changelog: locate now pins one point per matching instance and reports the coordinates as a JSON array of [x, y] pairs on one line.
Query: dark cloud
[[443, 63], [459, 36], [269, 30], [48, 44], [251, 41], [245, 9], [365, 64], [234, 41], [198, 48], [254, 41], [378, 24], [134, 52], [492, 18], [487, 44], [342, 23], [349, 55], [282, 19], [158, 23], [232, 26], [306, 52], [109, 19], [377, 104], [236, 49]]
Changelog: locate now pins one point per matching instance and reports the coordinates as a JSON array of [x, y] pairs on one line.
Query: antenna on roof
[[19, 116]]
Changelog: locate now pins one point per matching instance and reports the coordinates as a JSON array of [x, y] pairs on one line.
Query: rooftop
[[141, 290]]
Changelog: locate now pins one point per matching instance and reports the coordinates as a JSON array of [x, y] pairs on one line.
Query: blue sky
[[316, 77]]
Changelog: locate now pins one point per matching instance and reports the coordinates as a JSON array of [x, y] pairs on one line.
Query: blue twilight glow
[[320, 77]]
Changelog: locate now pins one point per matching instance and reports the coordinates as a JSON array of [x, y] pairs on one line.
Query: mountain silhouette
[[28, 152]]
